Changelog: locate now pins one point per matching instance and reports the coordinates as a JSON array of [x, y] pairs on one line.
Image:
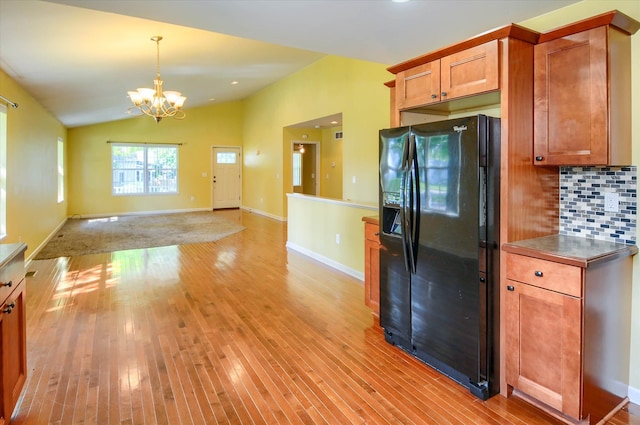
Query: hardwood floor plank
[[237, 331]]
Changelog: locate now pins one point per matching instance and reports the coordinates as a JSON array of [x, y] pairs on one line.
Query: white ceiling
[[79, 58]]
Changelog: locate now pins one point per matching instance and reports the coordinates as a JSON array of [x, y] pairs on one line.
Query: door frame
[[317, 152], [212, 166]]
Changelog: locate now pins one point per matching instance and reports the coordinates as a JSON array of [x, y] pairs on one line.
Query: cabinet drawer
[[12, 272], [371, 232], [545, 274]]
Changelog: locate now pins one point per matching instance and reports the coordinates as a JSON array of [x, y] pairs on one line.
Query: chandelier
[[154, 102]]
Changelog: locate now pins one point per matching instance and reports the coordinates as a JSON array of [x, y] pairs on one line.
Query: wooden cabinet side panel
[[528, 194], [619, 98], [571, 100], [372, 268], [471, 71], [607, 340]]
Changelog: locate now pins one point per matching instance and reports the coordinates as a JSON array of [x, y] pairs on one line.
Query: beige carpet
[[97, 235]]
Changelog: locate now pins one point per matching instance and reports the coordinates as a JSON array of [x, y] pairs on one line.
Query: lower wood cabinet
[[372, 265], [567, 335], [13, 336]]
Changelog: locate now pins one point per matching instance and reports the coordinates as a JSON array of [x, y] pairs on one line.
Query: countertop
[[9, 250], [371, 219], [571, 250]]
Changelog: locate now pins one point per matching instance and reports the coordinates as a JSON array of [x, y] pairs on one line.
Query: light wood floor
[[237, 331]]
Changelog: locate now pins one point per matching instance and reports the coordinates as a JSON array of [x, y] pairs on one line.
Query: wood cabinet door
[[472, 71], [571, 100], [418, 86], [544, 346], [14, 349]]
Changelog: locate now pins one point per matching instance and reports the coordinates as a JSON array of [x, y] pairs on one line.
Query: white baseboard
[[35, 252], [328, 261], [634, 395], [264, 213]]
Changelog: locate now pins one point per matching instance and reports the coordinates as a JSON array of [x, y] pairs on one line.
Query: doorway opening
[[305, 167]]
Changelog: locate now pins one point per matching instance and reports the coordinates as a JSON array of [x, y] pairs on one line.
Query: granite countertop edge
[[9, 251], [571, 250]]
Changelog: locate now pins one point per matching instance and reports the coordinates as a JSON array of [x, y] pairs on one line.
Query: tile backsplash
[[582, 203]]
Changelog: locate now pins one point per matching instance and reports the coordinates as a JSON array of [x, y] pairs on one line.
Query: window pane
[[60, 170], [162, 169], [128, 167], [226, 158], [297, 169], [3, 171]]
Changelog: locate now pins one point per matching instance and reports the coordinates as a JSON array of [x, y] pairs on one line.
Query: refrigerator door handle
[[415, 205], [413, 221], [404, 216]]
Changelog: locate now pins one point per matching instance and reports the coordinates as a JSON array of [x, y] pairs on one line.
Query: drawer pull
[[377, 234], [9, 308], [539, 158], [7, 284], [510, 288], [538, 273]]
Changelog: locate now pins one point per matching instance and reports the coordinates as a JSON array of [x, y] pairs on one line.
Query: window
[[297, 169], [3, 171], [226, 158], [60, 170], [144, 169]]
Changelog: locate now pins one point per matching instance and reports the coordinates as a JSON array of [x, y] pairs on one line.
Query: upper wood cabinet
[[418, 86], [469, 72], [582, 93]]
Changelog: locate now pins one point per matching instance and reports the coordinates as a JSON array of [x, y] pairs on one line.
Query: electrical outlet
[[338, 238], [611, 202]]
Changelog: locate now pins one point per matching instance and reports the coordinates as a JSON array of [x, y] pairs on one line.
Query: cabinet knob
[[7, 284], [377, 233], [433, 96], [444, 93], [9, 308], [539, 158], [510, 288], [538, 273]]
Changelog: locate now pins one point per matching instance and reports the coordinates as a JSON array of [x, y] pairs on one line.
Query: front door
[[226, 177]]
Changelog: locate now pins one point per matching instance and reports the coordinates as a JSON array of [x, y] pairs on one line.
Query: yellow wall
[[582, 10], [314, 223], [332, 164], [33, 210], [331, 85], [89, 157]]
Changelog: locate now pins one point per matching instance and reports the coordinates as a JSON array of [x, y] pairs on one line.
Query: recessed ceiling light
[[400, 1], [211, 99], [233, 83], [334, 122]]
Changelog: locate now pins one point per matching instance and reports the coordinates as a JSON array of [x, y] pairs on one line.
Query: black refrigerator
[[439, 259]]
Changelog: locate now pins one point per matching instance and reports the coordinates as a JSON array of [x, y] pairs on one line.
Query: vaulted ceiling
[[79, 58]]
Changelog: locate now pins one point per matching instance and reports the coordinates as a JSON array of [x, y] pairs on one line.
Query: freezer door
[[395, 298], [446, 289]]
